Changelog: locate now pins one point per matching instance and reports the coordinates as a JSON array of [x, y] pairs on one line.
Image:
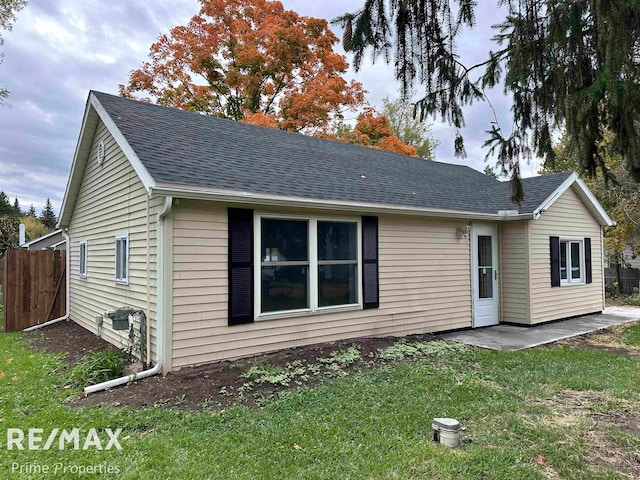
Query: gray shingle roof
[[189, 149], [539, 188]]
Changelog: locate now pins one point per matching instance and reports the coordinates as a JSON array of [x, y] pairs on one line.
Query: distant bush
[[613, 298]]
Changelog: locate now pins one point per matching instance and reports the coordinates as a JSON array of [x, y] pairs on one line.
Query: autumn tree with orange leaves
[[371, 130], [250, 59]]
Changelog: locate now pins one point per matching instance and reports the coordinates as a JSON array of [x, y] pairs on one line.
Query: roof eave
[[585, 195], [145, 177], [63, 218], [93, 112], [58, 244], [233, 196], [39, 239]]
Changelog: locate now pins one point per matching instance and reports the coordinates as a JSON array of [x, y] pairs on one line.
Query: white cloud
[[108, 59], [52, 30]]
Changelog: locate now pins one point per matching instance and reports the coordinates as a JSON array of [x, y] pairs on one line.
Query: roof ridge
[[281, 131]]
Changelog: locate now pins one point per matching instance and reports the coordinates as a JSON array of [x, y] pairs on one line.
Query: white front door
[[485, 274]]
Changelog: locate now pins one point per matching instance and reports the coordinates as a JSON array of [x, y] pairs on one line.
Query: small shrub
[[267, 373], [342, 358], [98, 367], [294, 372], [615, 298]]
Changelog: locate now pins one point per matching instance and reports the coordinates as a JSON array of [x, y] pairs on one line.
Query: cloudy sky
[[60, 50]]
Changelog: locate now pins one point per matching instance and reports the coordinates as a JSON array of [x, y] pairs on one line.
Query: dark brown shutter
[[370, 293], [240, 266], [554, 244], [587, 261]]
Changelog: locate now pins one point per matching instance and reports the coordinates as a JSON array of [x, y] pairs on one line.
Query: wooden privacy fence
[[34, 287]]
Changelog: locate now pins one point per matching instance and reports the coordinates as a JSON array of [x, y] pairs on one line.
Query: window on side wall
[[306, 264], [571, 262], [83, 259], [122, 259]]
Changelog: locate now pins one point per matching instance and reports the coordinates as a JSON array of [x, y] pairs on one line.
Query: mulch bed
[[69, 338], [196, 388], [214, 385]]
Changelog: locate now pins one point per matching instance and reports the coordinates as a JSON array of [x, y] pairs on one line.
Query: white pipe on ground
[[157, 368], [124, 380], [65, 234]]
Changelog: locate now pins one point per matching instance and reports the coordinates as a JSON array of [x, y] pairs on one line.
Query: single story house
[[238, 239], [51, 241]]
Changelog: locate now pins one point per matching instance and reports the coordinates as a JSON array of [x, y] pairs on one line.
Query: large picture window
[[571, 261], [306, 263]]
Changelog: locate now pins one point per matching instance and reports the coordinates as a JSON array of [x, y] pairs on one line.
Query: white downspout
[[157, 368], [65, 234], [147, 358]]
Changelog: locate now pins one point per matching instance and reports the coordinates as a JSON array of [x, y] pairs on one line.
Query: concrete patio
[[512, 338]]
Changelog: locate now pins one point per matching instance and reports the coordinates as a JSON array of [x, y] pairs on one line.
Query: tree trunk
[[619, 276]]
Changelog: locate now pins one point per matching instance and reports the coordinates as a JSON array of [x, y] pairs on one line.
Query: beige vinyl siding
[[568, 217], [514, 264], [111, 201], [425, 286]]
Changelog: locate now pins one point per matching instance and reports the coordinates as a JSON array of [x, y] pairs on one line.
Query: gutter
[[157, 368], [65, 234], [234, 196], [507, 215]]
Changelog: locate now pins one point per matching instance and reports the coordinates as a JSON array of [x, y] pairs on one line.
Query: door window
[[485, 267]]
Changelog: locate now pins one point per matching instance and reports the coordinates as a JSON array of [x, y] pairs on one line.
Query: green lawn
[[631, 335], [527, 415]]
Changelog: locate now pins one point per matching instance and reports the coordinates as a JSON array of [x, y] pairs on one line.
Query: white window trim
[[86, 257], [123, 280], [313, 265], [573, 281]]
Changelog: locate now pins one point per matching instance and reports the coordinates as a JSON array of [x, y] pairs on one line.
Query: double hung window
[[571, 261], [306, 263]]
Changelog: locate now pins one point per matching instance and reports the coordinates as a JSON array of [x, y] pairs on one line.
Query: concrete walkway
[[511, 338]]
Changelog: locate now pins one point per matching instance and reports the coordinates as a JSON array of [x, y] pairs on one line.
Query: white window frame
[[83, 243], [572, 281], [312, 222], [123, 280]]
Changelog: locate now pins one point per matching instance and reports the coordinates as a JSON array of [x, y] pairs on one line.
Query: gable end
[[94, 113]]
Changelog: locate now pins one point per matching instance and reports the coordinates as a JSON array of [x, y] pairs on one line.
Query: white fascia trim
[[58, 244], [232, 196], [73, 166], [544, 206], [574, 179], [596, 204], [145, 177], [39, 239]]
